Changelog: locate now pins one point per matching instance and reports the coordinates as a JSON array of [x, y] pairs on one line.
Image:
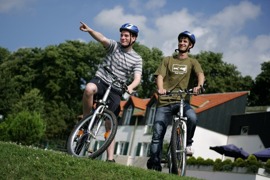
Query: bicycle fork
[[184, 129], [97, 112]]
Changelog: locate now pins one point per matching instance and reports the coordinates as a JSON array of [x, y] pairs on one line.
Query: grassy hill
[[23, 162]]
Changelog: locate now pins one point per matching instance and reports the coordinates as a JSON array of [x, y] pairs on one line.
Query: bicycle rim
[[178, 152], [84, 143]]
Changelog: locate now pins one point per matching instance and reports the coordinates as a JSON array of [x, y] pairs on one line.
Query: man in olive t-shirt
[[175, 73]]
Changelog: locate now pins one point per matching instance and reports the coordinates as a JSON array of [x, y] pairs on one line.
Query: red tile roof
[[200, 103], [211, 100]]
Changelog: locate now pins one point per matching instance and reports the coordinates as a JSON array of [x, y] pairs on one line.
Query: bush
[[209, 162], [239, 162], [217, 165], [267, 166], [252, 164], [200, 161], [192, 161], [227, 165], [25, 127]]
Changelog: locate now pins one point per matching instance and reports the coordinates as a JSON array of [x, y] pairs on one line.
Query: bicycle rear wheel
[[178, 152], [85, 143]]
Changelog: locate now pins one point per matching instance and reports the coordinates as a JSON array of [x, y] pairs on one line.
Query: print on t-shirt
[[179, 69]]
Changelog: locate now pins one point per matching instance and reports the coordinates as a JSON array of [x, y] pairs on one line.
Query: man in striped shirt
[[123, 61]]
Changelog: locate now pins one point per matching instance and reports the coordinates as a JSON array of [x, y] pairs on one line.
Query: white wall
[[203, 139], [250, 143]]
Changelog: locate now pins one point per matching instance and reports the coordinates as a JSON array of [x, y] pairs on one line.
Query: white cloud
[[11, 5], [113, 18], [140, 6], [155, 4], [234, 17]]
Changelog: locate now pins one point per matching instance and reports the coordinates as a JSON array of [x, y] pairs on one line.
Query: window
[[151, 115], [121, 148], [128, 115], [244, 130], [150, 119], [143, 149]]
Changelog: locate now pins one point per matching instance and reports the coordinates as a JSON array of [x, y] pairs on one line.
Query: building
[[222, 120]]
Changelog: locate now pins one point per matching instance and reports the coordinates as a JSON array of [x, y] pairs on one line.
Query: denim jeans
[[162, 118]]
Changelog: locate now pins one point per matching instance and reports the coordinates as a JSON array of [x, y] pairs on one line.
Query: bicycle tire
[[82, 143], [169, 159], [178, 152]]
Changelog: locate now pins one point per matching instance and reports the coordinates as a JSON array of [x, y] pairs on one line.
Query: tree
[[151, 60], [260, 93], [221, 76]]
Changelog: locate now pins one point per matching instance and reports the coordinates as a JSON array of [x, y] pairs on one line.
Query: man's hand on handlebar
[[162, 91], [198, 89]]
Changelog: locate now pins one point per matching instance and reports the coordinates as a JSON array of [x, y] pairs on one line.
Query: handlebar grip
[[202, 90]]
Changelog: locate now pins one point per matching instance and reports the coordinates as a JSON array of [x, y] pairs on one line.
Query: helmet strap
[[182, 51]]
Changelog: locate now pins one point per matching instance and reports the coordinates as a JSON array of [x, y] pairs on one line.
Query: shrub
[[209, 162], [252, 164], [227, 165], [25, 127], [267, 166], [200, 161], [217, 165], [239, 162], [192, 161]]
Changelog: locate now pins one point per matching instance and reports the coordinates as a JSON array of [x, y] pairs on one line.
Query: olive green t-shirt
[[177, 74]]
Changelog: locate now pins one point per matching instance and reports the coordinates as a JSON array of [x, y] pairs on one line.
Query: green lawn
[[23, 162]]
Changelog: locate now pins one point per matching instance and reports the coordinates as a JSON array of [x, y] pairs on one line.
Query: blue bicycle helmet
[[189, 35], [131, 28]]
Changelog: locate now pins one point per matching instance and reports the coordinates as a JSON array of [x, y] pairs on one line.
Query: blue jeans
[[162, 118]]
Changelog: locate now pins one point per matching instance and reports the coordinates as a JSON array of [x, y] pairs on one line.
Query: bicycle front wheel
[[85, 143], [178, 152]]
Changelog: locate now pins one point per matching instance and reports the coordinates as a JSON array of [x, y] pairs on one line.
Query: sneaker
[[112, 161], [151, 165], [189, 150]]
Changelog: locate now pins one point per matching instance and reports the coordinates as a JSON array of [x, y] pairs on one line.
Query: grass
[[26, 162]]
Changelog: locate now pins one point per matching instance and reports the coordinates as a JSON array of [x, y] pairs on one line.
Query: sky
[[239, 29]]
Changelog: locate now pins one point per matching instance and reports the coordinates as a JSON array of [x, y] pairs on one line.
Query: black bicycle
[[94, 133], [176, 152]]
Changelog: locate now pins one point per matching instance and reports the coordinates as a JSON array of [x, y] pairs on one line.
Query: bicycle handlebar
[[115, 78], [186, 91]]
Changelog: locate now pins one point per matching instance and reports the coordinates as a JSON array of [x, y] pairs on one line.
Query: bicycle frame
[[177, 149]]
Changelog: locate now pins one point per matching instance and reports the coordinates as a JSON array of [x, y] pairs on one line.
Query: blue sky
[[239, 29]]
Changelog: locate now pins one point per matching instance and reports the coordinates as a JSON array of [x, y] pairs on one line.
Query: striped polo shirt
[[122, 63]]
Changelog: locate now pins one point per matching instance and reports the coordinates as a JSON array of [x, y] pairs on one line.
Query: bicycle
[[176, 152], [94, 133]]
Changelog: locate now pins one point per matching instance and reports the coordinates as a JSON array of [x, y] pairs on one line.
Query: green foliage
[[24, 127], [200, 160], [227, 165], [30, 101], [239, 162], [267, 166], [217, 165], [252, 164], [209, 162], [222, 76], [191, 161], [151, 60], [21, 162], [260, 93]]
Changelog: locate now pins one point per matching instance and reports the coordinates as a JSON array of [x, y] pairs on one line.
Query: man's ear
[[190, 45]]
